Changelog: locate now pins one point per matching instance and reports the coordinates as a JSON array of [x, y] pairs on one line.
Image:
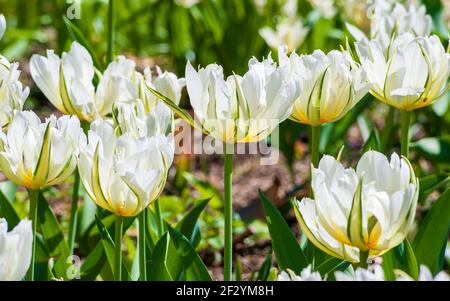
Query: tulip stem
[[33, 215], [111, 31], [74, 212], [315, 140], [159, 218], [141, 243], [228, 211], [118, 248], [406, 116], [363, 258], [387, 130]]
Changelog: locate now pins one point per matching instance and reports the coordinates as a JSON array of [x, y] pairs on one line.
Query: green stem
[[315, 140], [406, 116], [228, 208], [111, 31], [363, 257], [159, 221], [34, 199], [141, 243], [118, 249], [387, 131], [74, 212]]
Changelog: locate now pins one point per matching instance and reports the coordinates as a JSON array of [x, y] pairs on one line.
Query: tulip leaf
[[433, 233], [431, 183], [205, 189], [158, 270], [434, 148], [372, 142], [402, 258], [264, 270], [53, 237], [331, 265], [175, 108], [93, 263], [77, 35], [193, 266], [288, 253], [188, 226], [108, 245], [7, 211]]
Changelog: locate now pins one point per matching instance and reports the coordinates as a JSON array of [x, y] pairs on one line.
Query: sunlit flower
[[2, 25], [67, 81], [388, 18], [305, 275], [372, 273], [424, 275], [12, 92], [124, 174], [38, 154], [15, 250], [332, 84], [370, 209], [290, 32], [242, 108], [325, 7], [412, 75]]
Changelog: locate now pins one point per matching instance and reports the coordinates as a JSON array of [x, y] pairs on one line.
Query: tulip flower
[[389, 18], [38, 155], [123, 174], [359, 213], [12, 93], [332, 85], [424, 275], [401, 84], [290, 32], [305, 275], [15, 250], [372, 273], [2, 25], [242, 108], [67, 81]]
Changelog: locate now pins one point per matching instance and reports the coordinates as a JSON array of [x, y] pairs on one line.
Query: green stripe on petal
[[355, 230], [67, 104], [100, 198], [43, 164]]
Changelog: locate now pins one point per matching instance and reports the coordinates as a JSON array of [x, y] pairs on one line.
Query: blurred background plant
[[229, 32]]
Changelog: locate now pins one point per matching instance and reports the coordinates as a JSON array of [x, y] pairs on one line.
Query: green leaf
[[188, 226], [7, 211], [108, 246], [53, 237], [431, 183], [264, 270], [205, 189], [433, 234], [288, 253], [402, 258], [93, 263], [238, 270], [372, 142], [192, 264], [331, 265], [158, 270], [435, 148]]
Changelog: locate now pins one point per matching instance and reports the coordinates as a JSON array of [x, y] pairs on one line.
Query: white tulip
[[424, 275], [35, 154], [12, 93], [15, 250], [332, 84], [67, 81], [305, 275], [389, 18], [369, 210], [2, 25], [290, 32], [412, 75], [242, 108], [124, 174], [122, 83], [372, 273]]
